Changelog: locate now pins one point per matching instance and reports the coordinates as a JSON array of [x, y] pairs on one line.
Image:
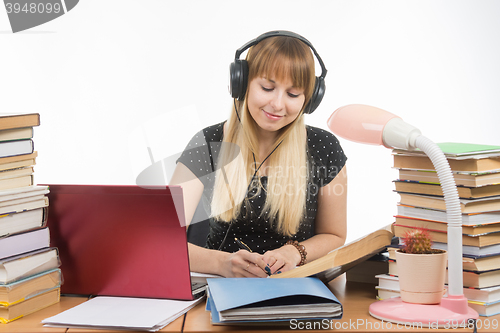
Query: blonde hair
[[282, 58]]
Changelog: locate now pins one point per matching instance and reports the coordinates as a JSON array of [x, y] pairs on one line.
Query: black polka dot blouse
[[325, 157]]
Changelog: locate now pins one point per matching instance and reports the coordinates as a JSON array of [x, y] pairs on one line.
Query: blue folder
[[297, 294]]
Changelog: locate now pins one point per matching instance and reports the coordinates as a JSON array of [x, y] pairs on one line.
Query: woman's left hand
[[282, 259]]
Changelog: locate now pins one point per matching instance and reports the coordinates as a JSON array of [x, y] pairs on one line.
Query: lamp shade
[[360, 123], [371, 125]]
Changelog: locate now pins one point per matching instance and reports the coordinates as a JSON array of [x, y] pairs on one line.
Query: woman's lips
[[272, 116]]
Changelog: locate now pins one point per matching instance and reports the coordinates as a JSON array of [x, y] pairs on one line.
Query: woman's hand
[[244, 264], [282, 259]]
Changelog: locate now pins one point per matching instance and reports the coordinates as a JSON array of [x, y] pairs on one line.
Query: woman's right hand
[[243, 264]]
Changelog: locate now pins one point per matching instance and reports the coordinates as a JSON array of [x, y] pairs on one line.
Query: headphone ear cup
[[317, 96], [238, 74]]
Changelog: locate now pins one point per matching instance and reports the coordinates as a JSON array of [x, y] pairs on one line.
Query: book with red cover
[[120, 240]]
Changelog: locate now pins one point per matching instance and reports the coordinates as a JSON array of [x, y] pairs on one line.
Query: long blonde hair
[[282, 58]]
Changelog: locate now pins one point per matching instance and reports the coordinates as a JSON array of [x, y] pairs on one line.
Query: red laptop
[[121, 240]]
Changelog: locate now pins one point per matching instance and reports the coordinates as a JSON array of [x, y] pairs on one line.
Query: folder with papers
[[238, 300]]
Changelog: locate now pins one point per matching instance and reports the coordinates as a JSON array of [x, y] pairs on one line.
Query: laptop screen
[[120, 240]]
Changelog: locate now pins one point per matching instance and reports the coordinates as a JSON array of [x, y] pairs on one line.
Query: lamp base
[[424, 315]]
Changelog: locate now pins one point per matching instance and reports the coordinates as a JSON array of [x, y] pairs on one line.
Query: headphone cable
[[252, 179], [236, 110]]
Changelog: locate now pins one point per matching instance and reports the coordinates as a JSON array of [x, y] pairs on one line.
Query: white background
[[110, 78]]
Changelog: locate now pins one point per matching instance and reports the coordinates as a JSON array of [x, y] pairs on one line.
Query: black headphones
[[238, 71]]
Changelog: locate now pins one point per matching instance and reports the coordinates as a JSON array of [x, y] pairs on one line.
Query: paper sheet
[[122, 312]]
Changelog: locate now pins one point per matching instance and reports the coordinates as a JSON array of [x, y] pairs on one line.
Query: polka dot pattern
[[325, 158]]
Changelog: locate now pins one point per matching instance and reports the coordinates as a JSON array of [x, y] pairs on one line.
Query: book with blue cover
[[247, 300]]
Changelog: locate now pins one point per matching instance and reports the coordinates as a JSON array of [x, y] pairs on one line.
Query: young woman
[[276, 188]]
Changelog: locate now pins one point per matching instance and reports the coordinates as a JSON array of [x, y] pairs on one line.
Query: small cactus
[[417, 241]]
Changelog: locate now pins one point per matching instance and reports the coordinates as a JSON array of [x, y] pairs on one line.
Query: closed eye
[[267, 89], [293, 95]]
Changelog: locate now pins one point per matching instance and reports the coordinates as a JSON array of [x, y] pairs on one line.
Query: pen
[[243, 246]]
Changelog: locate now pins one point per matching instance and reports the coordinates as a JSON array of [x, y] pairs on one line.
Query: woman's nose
[[277, 101]]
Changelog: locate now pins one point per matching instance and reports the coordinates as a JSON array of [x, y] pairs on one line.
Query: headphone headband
[[238, 70], [286, 34]]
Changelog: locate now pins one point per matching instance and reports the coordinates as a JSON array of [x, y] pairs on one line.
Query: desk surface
[[32, 322], [355, 298]]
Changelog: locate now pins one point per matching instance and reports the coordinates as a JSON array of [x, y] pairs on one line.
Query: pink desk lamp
[[371, 125]]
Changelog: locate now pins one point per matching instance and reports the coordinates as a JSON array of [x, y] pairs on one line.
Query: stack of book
[[29, 275], [476, 169]]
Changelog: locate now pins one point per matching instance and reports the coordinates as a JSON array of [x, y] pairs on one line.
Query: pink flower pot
[[421, 277]]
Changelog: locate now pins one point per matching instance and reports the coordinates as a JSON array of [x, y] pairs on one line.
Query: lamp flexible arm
[[453, 213]]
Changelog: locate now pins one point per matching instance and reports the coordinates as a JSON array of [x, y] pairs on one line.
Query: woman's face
[[274, 104]]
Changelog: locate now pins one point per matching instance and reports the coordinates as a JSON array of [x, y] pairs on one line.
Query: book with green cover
[[462, 157], [458, 150], [462, 149]]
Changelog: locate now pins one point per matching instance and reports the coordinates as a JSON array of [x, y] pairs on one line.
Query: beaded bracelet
[[302, 250]]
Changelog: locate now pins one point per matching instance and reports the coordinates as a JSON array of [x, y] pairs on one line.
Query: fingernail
[[278, 272], [268, 270]]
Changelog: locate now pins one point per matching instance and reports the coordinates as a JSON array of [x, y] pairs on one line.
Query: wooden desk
[[355, 298], [32, 323]]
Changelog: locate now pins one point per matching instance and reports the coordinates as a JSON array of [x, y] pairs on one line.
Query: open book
[[341, 259]]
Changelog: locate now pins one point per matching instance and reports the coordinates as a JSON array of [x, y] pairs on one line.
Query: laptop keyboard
[[198, 289], [196, 285]]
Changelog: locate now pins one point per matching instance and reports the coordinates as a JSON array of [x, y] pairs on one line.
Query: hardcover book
[[26, 264], [24, 242], [14, 223], [440, 215], [461, 179], [29, 287], [468, 206], [473, 230], [343, 258], [457, 150], [17, 147], [442, 236], [19, 161], [9, 121], [16, 134], [435, 189], [21, 309]]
